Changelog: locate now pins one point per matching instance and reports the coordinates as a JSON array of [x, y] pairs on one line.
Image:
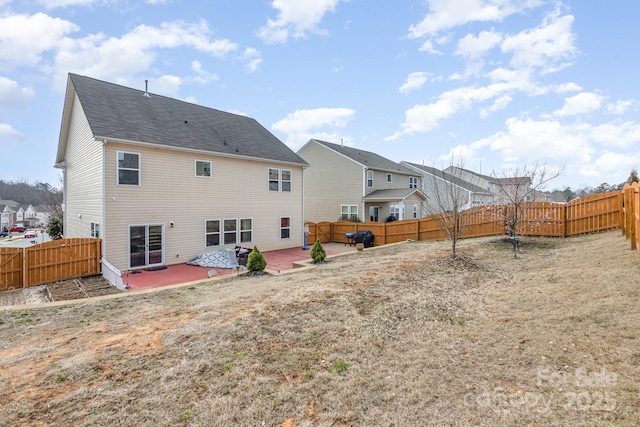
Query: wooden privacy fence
[[597, 212], [630, 214], [49, 262]]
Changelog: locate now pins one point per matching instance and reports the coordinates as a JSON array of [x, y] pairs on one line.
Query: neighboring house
[[443, 188], [8, 209], [162, 180], [345, 183], [43, 212], [515, 186]]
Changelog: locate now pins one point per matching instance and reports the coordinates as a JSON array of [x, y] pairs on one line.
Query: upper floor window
[[280, 180], [128, 168], [389, 177], [369, 178], [413, 182], [286, 180], [203, 168], [274, 179]]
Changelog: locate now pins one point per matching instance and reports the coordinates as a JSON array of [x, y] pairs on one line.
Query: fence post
[[24, 268]]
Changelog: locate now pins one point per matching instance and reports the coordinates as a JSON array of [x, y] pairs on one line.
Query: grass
[[394, 336]]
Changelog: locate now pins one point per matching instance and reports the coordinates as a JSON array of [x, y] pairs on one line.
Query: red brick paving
[[281, 260]]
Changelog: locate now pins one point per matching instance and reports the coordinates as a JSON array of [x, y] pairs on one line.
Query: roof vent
[[146, 89]]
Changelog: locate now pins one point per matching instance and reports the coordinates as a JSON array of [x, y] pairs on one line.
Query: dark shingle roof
[[392, 194], [367, 158], [449, 178], [122, 113]]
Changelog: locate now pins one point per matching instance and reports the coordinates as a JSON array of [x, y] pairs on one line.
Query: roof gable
[[125, 114], [448, 177], [366, 158]]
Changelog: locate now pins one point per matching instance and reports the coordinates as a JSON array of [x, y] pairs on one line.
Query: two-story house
[[346, 183], [161, 180], [450, 188], [8, 209]]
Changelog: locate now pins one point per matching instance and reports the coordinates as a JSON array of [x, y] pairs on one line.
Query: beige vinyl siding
[[169, 191], [83, 204], [398, 180], [330, 180]]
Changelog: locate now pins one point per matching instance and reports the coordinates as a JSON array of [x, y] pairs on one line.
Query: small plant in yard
[[338, 366], [256, 261], [317, 252]]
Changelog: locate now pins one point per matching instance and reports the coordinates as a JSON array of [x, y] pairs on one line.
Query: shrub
[[54, 227], [256, 261], [317, 252]]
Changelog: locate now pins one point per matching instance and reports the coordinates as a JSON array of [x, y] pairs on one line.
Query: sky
[[495, 84]]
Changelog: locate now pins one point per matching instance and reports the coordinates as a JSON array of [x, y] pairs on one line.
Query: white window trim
[[285, 228], [269, 180], [139, 168], [195, 168], [389, 178], [413, 182], [223, 232], [240, 230], [370, 180], [219, 233], [282, 180], [95, 226]]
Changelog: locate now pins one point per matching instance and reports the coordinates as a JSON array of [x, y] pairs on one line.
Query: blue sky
[[498, 83]]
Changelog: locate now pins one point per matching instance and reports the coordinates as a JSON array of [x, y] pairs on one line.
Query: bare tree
[[448, 201], [518, 186]]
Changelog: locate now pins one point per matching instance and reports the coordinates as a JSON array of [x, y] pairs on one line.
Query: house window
[[128, 168], [274, 179], [285, 227], [396, 211], [413, 182], [349, 212], [203, 168], [389, 177], [246, 230], [230, 231], [369, 178], [415, 211], [286, 180], [212, 232], [95, 230]]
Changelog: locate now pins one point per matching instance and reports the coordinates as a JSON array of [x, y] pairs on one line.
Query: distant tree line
[[568, 194], [25, 193]]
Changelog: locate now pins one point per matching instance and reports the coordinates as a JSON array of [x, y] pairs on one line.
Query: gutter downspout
[[104, 201], [304, 236], [364, 190]]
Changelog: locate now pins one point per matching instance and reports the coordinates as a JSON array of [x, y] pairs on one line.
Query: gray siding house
[[161, 180], [449, 186], [346, 183]]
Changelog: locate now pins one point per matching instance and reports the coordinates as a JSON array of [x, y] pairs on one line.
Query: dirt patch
[[86, 287], [403, 335]]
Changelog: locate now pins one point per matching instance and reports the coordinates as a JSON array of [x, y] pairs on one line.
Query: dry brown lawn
[[401, 335]]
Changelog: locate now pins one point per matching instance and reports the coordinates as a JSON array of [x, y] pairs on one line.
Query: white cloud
[[52, 4], [295, 19], [253, 57], [7, 132], [425, 117], [545, 46], [24, 48], [582, 103], [446, 14], [612, 166], [474, 47], [568, 87], [167, 85], [203, 76], [117, 59], [619, 107], [302, 125], [14, 96], [414, 81]]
